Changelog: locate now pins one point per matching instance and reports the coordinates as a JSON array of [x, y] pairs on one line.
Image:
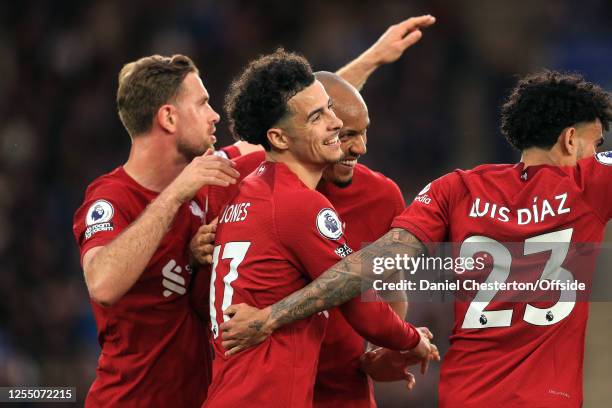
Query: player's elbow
[[100, 290], [99, 277], [103, 297]]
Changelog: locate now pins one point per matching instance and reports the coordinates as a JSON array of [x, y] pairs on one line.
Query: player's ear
[[167, 118], [278, 138], [568, 142]]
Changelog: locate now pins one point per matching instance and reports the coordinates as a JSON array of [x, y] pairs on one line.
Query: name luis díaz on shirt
[[538, 211]]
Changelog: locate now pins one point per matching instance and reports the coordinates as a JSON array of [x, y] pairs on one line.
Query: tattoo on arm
[[344, 280]]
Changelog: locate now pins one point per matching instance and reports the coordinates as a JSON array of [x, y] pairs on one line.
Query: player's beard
[[342, 183], [189, 151], [330, 176]]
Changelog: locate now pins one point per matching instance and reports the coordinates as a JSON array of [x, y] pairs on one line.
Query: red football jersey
[[273, 237], [229, 152], [155, 349], [217, 197], [516, 354], [368, 207]]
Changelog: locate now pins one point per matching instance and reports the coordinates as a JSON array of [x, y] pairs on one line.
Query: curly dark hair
[[257, 99], [545, 103]]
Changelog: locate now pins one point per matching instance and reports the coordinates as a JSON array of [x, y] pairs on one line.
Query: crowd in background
[[434, 110]]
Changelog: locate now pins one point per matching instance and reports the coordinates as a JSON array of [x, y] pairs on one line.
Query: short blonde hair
[[147, 84]]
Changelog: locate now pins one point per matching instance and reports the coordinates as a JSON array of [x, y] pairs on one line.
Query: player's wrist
[[370, 60], [172, 196], [413, 337], [168, 201], [422, 348], [270, 322]]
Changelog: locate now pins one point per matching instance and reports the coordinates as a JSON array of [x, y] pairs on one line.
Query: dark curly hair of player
[[545, 103], [257, 99]]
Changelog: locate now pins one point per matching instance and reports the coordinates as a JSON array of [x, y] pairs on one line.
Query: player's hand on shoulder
[[246, 328], [399, 37], [210, 169], [202, 243], [207, 169]]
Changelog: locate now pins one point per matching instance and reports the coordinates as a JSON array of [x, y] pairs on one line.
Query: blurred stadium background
[[434, 110]]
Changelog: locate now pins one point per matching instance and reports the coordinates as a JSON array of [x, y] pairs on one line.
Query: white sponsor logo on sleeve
[[422, 197], [343, 251]]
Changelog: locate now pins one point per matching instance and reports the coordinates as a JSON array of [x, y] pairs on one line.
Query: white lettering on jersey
[[105, 226], [498, 212], [172, 281], [343, 251], [538, 212], [422, 197], [234, 213], [562, 198]]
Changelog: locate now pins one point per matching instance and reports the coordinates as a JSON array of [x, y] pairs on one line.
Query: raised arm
[[337, 285], [387, 49]]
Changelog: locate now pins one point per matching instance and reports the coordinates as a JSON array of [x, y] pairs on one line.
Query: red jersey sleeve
[[100, 218], [427, 218], [376, 321], [596, 173], [228, 152], [310, 229], [249, 162], [396, 197]]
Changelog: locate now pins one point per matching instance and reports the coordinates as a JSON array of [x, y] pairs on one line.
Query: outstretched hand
[[398, 38]]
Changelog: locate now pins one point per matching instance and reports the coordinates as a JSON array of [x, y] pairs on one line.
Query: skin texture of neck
[[310, 175], [154, 161], [536, 156]]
